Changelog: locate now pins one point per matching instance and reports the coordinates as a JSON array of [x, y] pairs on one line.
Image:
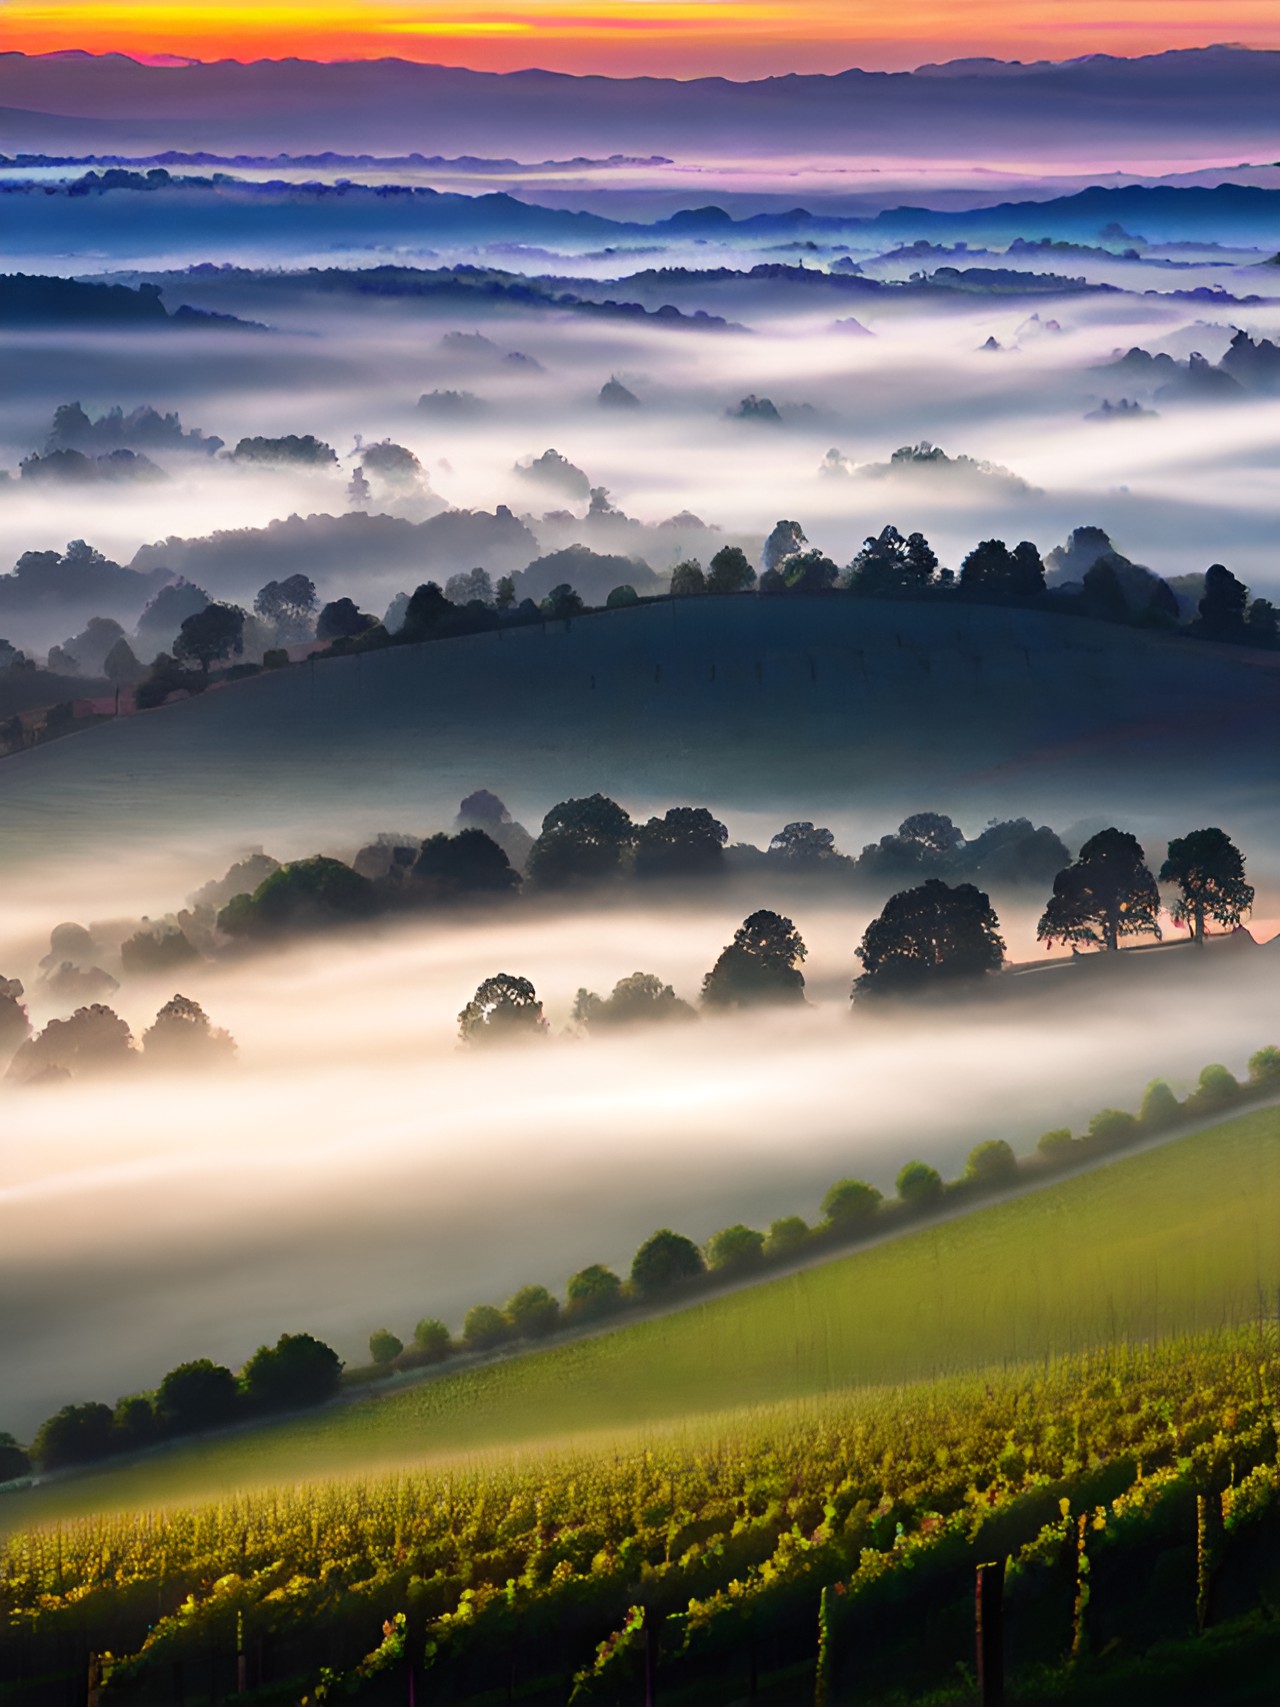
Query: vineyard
[[824, 1551]]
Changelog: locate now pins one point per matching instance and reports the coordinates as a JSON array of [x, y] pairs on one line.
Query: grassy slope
[[803, 704], [1178, 1238]]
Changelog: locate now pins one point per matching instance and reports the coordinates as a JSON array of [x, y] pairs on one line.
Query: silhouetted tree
[[665, 1260], [688, 580], [340, 619], [77, 1434], [196, 1395], [504, 1009], [562, 603], [993, 569], [182, 1036], [473, 584], [593, 1292], [297, 1370], [306, 449], [504, 595], [1222, 609], [761, 965], [730, 572], [120, 665], [640, 999], [211, 634], [1106, 894], [15, 1026], [735, 1250], [685, 842], [458, 868], [1103, 594], [305, 894], [289, 606], [93, 1040], [929, 938], [582, 841], [809, 572], [889, 564], [14, 1462], [803, 846], [1263, 624], [157, 948], [621, 598], [1208, 869], [533, 1312]]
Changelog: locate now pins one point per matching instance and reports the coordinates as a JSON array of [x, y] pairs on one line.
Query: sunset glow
[[620, 37]]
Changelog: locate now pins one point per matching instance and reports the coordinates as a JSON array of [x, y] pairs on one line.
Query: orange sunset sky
[[682, 38]]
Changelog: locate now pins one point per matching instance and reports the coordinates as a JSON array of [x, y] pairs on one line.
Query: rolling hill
[[800, 705]]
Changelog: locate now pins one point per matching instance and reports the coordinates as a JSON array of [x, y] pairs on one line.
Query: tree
[[932, 937], [786, 540], [392, 463], [785, 1236], [14, 1462], [991, 1164], [1159, 1106], [297, 1370], [803, 846], [504, 594], [340, 619], [1264, 1066], [1222, 609], [992, 569], [1217, 1088], [1103, 592], [77, 1434], [809, 572], [593, 1292], [485, 1328], [685, 842], [306, 449], [1110, 1128], [15, 1026], [850, 1205], [94, 1040], [533, 1312], [305, 894], [456, 868], [665, 1260], [562, 603], [1106, 894], [384, 1347], [688, 580], [638, 1000], [120, 665], [620, 598], [196, 1395], [760, 965], [473, 586], [1208, 869], [582, 841], [183, 1036], [432, 1341], [735, 1249], [504, 1009], [289, 606], [211, 634], [1263, 623], [888, 564], [730, 572], [1056, 1148], [919, 1186]]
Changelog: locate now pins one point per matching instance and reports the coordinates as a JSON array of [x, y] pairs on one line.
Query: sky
[[680, 38]]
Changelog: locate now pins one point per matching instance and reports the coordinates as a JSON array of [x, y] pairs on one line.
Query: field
[[683, 699], [1179, 1239]]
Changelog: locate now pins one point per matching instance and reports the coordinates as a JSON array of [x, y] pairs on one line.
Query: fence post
[[94, 1693], [1209, 1532], [988, 1624], [822, 1678]]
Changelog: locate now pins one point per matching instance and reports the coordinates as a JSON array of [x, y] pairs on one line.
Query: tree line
[[301, 1371]]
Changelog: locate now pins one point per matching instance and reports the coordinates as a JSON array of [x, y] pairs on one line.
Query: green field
[[1182, 1238]]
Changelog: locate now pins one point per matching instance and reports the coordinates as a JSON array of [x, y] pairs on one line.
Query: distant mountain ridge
[[1221, 97]]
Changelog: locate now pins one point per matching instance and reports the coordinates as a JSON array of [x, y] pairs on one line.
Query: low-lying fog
[[356, 1168]]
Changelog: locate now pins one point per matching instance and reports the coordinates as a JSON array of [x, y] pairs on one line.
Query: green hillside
[[801, 705], [1178, 1239]]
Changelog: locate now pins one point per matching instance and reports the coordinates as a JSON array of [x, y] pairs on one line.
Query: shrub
[[134, 1422], [77, 1434], [991, 1164], [851, 1203], [484, 1328], [665, 1260], [919, 1186], [297, 1370], [196, 1395], [785, 1236], [735, 1248], [1110, 1128], [594, 1291], [1264, 1066], [533, 1312], [13, 1460], [384, 1347], [1057, 1147], [1159, 1106], [1217, 1088], [432, 1341]]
